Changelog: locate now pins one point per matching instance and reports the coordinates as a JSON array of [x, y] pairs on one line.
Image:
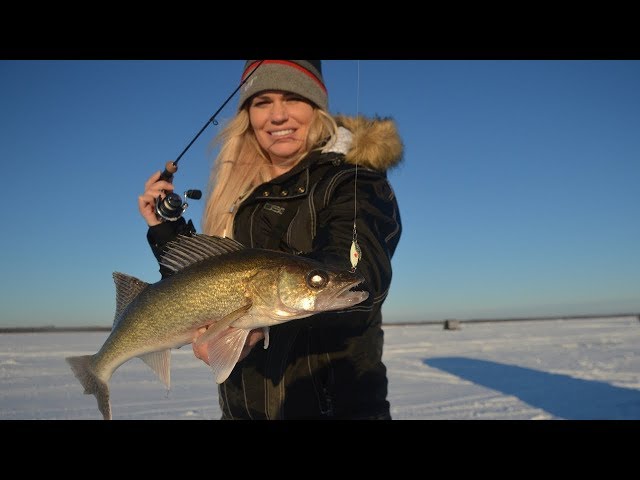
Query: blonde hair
[[242, 165]]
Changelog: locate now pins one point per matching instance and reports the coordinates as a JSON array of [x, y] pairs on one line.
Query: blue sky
[[519, 190]]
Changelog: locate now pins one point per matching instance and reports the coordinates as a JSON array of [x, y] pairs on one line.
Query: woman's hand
[[153, 188], [252, 339]]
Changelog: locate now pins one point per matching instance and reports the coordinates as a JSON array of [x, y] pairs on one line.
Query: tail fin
[[81, 368]]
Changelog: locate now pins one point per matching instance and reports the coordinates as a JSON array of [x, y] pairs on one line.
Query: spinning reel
[[171, 207]]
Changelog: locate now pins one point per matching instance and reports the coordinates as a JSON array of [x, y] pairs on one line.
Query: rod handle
[[169, 169]]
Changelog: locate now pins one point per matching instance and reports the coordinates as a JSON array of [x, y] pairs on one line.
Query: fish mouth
[[355, 294], [351, 294], [354, 286]]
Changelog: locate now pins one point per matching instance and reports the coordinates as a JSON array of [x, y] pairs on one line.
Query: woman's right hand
[[153, 188]]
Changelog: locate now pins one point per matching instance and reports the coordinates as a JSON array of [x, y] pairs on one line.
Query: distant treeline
[[518, 319], [53, 329], [447, 322]]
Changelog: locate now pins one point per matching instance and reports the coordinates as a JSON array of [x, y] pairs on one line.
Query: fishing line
[[355, 253]]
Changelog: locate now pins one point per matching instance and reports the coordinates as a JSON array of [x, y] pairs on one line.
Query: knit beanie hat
[[303, 77]]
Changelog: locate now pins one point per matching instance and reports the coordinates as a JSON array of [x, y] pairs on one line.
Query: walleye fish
[[219, 284]]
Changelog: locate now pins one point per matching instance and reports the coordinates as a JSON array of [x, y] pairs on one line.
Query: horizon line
[[448, 321]]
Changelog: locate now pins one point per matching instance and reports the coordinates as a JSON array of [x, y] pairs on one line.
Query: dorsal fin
[[187, 250], [127, 288]]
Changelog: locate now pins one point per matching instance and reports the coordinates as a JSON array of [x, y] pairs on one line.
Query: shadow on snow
[[559, 395]]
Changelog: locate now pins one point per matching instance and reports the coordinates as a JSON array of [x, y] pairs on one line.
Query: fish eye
[[317, 279]]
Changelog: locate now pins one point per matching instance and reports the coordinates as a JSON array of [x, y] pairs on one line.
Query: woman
[[291, 177]]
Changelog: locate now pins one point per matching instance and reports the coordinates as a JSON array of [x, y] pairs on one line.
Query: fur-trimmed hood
[[369, 142]]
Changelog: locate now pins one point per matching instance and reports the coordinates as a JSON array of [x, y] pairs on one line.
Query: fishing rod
[[171, 207]]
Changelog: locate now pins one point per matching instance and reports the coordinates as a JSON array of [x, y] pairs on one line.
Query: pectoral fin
[[222, 324], [224, 343], [224, 351]]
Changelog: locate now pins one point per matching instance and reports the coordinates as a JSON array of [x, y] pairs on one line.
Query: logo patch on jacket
[[274, 208]]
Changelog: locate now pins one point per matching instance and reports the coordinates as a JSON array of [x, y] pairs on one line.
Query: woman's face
[[280, 121]]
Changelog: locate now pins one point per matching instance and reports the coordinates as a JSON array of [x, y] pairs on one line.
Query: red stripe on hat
[[287, 63]]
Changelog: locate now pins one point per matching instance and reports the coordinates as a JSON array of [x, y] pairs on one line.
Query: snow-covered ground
[[545, 369]]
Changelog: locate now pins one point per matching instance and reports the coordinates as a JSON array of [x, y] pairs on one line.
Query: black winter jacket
[[328, 365]]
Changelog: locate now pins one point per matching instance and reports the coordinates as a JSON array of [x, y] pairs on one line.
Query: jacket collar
[[370, 143]]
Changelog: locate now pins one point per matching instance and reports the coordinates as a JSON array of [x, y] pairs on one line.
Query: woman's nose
[[279, 112]]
